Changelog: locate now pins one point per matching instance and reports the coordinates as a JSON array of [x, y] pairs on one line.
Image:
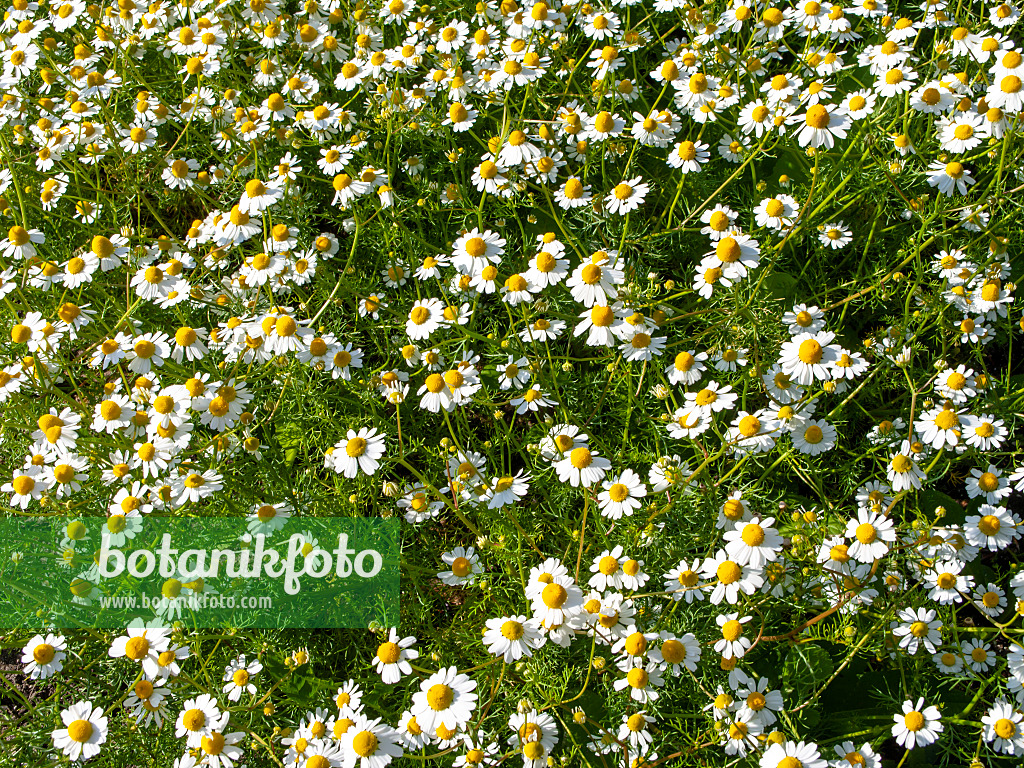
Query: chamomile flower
[[627, 196], [507, 490], [445, 699], [238, 677], [984, 431], [836, 235], [558, 601], [369, 743], [978, 655], [734, 642], [753, 543], [813, 437], [573, 194], [425, 317], [731, 578], [464, 565], [683, 582], [950, 178], [903, 472], [949, 663], [871, 534], [689, 156], [1004, 728], [512, 637], [687, 367], [200, 717], [43, 657], [582, 466], [719, 222], [917, 726], [994, 528], [917, 628], [989, 484], [393, 655], [621, 494], [990, 599], [360, 451], [783, 755], [477, 249], [84, 731], [947, 583], [642, 683]]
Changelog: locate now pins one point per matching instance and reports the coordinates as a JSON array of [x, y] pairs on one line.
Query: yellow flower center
[[80, 731], [136, 648], [512, 630], [988, 482], [673, 651], [554, 595], [365, 743], [810, 352], [732, 630], [989, 525], [476, 247], [618, 492], [688, 578], [919, 629], [866, 533], [753, 535], [194, 719], [591, 274], [637, 677], [963, 131], [947, 419], [213, 744], [729, 572], [914, 721], [255, 188], [1005, 728], [388, 653], [623, 191], [728, 250], [813, 434], [901, 464], [749, 426], [581, 458]]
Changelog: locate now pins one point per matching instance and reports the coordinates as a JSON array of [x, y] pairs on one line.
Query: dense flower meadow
[[679, 337]]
